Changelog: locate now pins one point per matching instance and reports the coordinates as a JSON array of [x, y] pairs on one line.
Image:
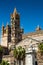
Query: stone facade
[[12, 36]]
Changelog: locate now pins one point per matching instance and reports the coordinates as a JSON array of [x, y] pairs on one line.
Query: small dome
[[38, 28]]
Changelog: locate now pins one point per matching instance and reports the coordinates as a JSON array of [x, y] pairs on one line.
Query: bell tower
[[16, 31]]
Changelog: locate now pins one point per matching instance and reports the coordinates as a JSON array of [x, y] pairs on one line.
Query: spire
[[15, 12], [38, 28]]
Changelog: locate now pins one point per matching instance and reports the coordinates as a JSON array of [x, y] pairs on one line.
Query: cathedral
[[12, 36]]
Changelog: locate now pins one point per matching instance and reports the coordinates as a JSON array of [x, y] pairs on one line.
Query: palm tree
[[15, 53], [4, 62], [40, 46], [19, 54]]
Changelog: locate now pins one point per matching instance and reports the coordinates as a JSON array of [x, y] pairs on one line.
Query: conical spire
[[38, 28], [15, 12]]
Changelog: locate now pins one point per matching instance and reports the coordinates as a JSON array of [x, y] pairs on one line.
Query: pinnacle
[[15, 11]]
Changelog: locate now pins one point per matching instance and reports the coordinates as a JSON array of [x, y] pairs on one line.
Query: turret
[[7, 26], [2, 30]]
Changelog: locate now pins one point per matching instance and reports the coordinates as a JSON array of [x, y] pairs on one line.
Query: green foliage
[[40, 46], [19, 52], [4, 63], [1, 49], [15, 53]]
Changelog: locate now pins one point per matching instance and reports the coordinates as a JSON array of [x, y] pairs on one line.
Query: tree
[[1, 49], [4, 62], [1, 52], [19, 53], [15, 53], [40, 46]]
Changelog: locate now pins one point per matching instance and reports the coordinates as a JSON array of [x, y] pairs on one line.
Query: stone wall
[[39, 58]]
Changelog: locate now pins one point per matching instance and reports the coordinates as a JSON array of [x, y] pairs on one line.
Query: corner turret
[[2, 30]]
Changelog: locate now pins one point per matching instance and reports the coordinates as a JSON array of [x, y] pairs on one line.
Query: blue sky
[[31, 13]]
